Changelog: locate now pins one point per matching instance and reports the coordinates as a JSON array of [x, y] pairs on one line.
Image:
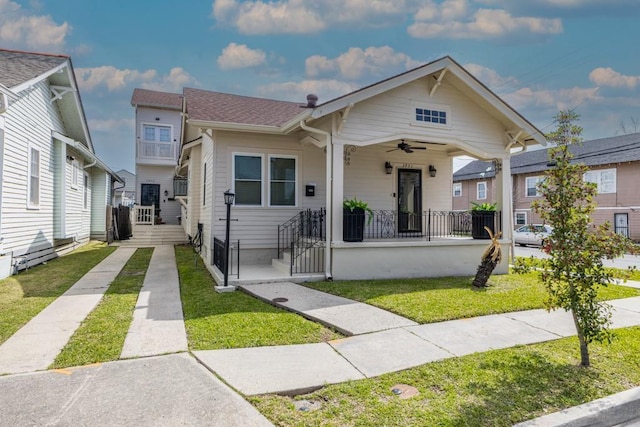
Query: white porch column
[[507, 202], [338, 190]]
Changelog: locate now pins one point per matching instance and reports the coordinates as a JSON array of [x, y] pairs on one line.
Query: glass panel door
[[409, 201], [151, 196]]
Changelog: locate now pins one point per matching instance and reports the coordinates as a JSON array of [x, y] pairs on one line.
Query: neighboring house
[[54, 189], [390, 144], [614, 165], [158, 134], [125, 195]]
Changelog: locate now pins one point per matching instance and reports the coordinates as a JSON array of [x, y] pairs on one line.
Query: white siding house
[[391, 145], [54, 189]]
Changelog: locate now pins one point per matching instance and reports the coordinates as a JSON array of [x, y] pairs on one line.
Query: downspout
[[329, 196]]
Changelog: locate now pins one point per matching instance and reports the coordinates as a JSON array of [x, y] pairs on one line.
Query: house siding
[[163, 175], [100, 184], [159, 117]]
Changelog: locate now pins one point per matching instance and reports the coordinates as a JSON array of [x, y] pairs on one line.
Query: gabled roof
[[152, 98], [17, 67], [207, 106], [597, 152]]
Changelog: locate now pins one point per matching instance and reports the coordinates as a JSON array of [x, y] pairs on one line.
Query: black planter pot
[[353, 225], [480, 219]]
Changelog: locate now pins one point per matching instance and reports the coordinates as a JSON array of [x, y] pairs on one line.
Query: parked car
[[532, 234]]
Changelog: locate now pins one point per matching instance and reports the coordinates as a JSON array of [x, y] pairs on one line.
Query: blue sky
[[540, 56]]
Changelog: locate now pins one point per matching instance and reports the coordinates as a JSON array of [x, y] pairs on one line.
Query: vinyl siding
[[146, 115], [163, 175], [100, 185]]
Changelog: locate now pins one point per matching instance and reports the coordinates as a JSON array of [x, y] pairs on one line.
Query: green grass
[[232, 320], [437, 299], [26, 294], [497, 388], [101, 335]]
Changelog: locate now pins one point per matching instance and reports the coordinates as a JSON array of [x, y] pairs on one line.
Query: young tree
[[575, 270]]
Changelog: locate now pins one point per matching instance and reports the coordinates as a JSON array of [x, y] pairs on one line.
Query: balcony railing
[[427, 225], [157, 150]]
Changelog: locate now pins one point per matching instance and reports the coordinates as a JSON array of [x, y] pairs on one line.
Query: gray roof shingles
[[152, 98], [227, 108], [17, 67], [597, 152]]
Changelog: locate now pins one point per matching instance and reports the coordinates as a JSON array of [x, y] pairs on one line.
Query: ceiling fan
[[407, 148]]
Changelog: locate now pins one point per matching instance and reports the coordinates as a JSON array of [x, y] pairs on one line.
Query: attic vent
[[312, 100]]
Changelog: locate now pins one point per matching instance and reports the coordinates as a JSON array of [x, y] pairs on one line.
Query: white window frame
[[595, 176], [457, 189], [156, 133], [515, 218], [85, 191], [282, 156], [75, 174], [262, 177], [430, 106], [30, 204], [483, 183], [527, 186], [204, 184]]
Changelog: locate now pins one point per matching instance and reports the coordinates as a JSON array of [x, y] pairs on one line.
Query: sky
[[540, 56]]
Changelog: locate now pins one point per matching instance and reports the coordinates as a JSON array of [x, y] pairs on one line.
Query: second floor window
[[532, 186], [482, 190], [156, 133], [457, 189], [605, 179]]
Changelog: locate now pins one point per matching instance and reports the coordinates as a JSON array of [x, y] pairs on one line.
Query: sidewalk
[[296, 369]]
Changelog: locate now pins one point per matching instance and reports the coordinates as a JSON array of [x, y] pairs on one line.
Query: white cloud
[[556, 99], [109, 125], [298, 91], [305, 16], [114, 79], [19, 29], [354, 63], [490, 77], [609, 77], [240, 56]]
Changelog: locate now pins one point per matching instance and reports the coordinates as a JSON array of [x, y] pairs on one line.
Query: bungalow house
[[614, 165], [54, 190], [291, 165]]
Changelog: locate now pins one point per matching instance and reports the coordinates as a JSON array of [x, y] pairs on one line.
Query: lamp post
[[228, 200]]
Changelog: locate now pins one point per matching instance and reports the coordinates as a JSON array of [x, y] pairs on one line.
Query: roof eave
[[236, 127], [27, 84]]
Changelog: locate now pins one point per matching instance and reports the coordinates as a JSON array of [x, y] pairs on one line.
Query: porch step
[[283, 264], [151, 235]]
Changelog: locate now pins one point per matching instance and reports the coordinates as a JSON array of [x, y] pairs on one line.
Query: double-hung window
[[282, 181], [481, 190], [605, 179], [531, 183], [75, 174], [160, 136], [457, 189], [33, 200], [247, 179]]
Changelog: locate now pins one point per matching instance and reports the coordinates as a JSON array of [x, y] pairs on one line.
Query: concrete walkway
[[342, 314], [35, 346], [158, 323], [300, 368]]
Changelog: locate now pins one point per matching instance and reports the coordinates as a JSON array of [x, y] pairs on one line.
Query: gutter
[[95, 161], [329, 195]]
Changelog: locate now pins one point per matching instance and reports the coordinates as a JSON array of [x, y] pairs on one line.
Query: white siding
[[100, 183], [78, 220], [194, 201], [29, 120], [146, 115], [163, 175]]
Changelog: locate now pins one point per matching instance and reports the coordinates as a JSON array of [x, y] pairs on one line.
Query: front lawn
[[446, 298], [26, 294], [497, 388], [234, 320]]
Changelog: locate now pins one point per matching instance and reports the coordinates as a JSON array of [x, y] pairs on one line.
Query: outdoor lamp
[[228, 200], [229, 196], [432, 171], [388, 168]]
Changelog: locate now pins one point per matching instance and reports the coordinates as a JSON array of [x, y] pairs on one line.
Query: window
[[85, 198], [431, 116], [457, 189], [532, 186], [481, 190], [156, 133], [247, 179], [521, 218], [282, 181], [33, 200], [204, 185], [605, 179], [75, 174]]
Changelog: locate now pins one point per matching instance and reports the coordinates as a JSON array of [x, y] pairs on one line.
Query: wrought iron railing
[[383, 224], [302, 236], [219, 256]]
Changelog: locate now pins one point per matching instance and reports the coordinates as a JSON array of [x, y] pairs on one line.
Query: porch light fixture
[[432, 171], [388, 167], [228, 200], [166, 193]]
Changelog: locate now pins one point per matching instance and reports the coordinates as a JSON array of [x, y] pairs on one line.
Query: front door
[[150, 195], [621, 221], [409, 201]]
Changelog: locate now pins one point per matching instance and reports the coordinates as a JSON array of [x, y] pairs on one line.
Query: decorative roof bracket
[[57, 92], [436, 85]]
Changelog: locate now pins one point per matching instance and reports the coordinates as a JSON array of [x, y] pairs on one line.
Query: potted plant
[[354, 212], [482, 214]]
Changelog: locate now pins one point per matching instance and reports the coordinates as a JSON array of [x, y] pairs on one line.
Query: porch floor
[[250, 274]]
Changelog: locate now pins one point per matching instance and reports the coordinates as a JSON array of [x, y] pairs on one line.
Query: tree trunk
[[584, 347], [485, 269]]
